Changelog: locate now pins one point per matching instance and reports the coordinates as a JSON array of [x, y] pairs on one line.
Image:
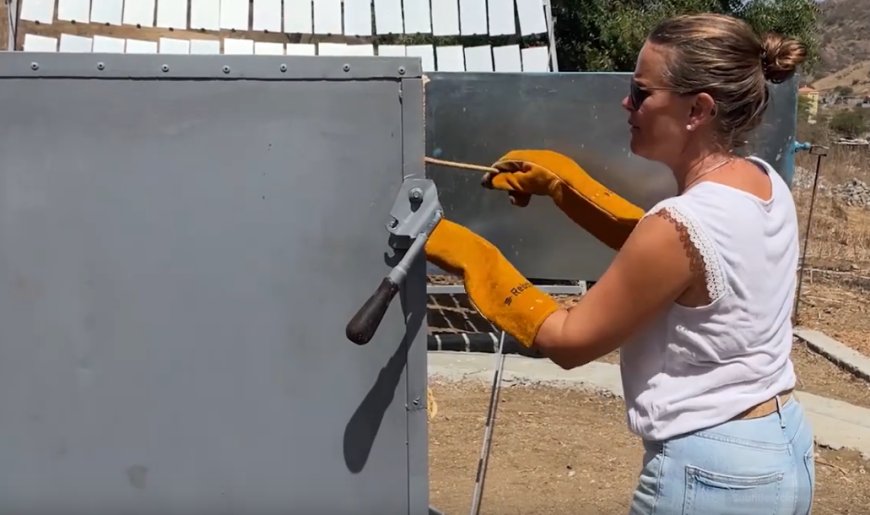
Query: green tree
[[606, 35], [845, 91]]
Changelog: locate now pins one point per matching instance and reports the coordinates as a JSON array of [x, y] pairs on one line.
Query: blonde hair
[[723, 56]]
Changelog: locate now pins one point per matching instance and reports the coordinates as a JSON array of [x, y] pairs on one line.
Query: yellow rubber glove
[[496, 289], [606, 215]]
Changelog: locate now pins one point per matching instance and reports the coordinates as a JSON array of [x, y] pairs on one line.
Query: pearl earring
[[690, 127]]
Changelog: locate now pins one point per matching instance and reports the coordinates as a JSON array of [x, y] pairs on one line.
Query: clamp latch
[[415, 213]]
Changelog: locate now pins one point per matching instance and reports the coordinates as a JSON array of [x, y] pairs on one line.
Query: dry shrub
[[841, 164], [840, 234]]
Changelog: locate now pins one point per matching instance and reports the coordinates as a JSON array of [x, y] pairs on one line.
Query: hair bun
[[780, 57]]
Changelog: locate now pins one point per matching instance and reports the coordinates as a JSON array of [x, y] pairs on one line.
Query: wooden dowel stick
[[464, 166]]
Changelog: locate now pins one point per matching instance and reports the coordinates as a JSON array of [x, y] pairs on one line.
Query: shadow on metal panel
[[363, 427]]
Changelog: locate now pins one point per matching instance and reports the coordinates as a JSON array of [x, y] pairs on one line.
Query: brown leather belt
[[767, 407]]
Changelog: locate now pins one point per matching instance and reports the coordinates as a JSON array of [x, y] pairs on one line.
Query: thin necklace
[[709, 170]]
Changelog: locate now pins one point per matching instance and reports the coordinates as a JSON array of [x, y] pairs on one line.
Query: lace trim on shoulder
[[703, 257]]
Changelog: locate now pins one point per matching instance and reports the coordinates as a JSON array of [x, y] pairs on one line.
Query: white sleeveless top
[[695, 367]]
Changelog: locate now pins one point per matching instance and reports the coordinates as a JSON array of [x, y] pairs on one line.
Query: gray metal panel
[[177, 268], [224, 67], [478, 117]]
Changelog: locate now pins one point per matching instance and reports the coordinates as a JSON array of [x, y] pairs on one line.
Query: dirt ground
[[835, 292], [841, 312], [816, 374], [558, 450]]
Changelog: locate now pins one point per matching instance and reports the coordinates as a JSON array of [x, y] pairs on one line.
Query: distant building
[[811, 97]]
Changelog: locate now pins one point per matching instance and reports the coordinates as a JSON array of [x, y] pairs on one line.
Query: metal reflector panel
[[180, 250]]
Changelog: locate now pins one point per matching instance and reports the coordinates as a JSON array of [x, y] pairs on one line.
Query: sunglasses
[[637, 95]]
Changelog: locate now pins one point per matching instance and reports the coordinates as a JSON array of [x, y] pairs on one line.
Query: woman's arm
[[651, 271]]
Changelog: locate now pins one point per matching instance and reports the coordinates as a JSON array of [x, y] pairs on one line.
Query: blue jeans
[[755, 466]]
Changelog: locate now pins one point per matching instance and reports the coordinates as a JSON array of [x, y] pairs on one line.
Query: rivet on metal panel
[[101, 66], [401, 70], [226, 69], [34, 66], [283, 67], [346, 67], [165, 67]]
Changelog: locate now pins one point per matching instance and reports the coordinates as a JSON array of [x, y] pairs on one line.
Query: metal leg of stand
[[490, 422]]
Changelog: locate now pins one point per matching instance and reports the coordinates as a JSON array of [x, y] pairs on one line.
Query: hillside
[[855, 76], [845, 48]]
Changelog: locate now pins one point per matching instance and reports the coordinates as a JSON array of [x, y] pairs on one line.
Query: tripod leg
[[490, 422]]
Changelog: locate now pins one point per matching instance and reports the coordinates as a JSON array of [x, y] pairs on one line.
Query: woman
[[699, 296]]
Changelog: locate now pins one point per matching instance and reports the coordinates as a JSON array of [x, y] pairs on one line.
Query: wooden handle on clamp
[[365, 322]]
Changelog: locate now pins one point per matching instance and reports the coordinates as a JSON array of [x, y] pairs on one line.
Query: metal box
[[182, 240]]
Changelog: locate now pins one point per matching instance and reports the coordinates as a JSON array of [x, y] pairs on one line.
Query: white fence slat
[[531, 15], [445, 18], [344, 49], [391, 50], [536, 59], [327, 16], [478, 58], [238, 46], [501, 17], [138, 46], [172, 14], [472, 17], [267, 15], [328, 48], [234, 14], [388, 16], [358, 17], [360, 49], [301, 49], [417, 19], [350, 17], [78, 11], [205, 14], [268, 48], [72, 43], [450, 58], [139, 12], [109, 45], [426, 53], [37, 10], [174, 46], [205, 46], [507, 58], [298, 15], [107, 11], [36, 43]]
